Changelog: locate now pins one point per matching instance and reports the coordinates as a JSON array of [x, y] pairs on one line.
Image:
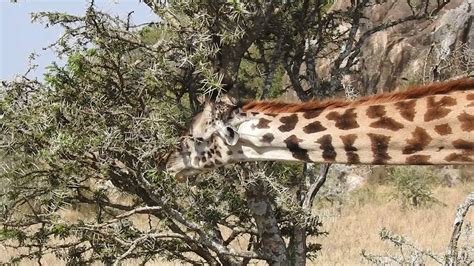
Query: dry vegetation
[[356, 224]]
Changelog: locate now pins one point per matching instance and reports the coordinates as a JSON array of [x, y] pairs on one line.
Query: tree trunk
[[271, 241], [297, 246]]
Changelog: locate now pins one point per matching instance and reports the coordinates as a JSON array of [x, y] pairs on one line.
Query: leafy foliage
[[95, 133], [413, 185]]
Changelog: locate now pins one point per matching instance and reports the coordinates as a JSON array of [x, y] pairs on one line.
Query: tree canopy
[[92, 137]]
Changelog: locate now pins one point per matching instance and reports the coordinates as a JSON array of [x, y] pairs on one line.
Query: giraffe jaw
[[179, 168]]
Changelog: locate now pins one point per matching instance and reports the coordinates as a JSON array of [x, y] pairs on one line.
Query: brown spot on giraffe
[[379, 148], [271, 114], [329, 154], [313, 127], [312, 113], [464, 145], [268, 138], [467, 121], [443, 129], [344, 121], [458, 157], [289, 123], [292, 143], [437, 109], [407, 109], [470, 97], [351, 151], [420, 139], [378, 111], [263, 123], [466, 154], [418, 159]]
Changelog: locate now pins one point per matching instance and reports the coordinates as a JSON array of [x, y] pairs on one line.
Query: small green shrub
[[413, 185]]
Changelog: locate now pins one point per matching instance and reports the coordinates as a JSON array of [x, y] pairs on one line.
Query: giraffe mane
[[413, 92]]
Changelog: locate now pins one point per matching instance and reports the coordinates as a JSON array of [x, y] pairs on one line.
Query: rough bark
[[271, 242], [297, 246]]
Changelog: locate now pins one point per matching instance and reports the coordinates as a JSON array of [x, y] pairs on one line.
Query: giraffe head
[[208, 142]]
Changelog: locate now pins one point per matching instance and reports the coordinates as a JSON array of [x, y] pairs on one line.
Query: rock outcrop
[[416, 51]]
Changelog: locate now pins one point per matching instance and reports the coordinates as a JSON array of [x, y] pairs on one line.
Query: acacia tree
[[95, 132]]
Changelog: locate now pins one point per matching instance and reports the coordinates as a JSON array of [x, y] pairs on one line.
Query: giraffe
[[430, 124]]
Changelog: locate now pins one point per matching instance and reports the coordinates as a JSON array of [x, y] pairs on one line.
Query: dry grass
[[358, 225]]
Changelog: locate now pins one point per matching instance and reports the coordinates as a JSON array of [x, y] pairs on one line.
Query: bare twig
[[146, 209], [451, 258], [140, 240], [314, 188]]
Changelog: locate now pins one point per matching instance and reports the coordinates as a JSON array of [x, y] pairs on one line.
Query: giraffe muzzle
[[176, 166]]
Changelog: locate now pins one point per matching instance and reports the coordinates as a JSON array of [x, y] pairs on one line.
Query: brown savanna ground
[[356, 225]]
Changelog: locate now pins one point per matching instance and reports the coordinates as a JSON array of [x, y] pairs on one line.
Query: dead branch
[[451, 258], [314, 188]]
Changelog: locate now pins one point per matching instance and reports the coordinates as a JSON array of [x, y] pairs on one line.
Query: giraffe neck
[[436, 129]]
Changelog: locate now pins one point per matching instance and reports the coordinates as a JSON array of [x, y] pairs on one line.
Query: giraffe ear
[[229, 134]]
